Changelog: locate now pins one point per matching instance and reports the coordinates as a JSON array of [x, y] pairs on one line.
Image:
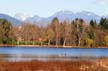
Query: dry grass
[[42, 66], [54, 66]]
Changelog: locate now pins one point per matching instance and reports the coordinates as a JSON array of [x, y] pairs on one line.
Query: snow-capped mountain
[[61, 15], [66, 15], [13, 20], [87, 16]]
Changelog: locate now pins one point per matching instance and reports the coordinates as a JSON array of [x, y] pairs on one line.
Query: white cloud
[[102, 2], [21, 16]]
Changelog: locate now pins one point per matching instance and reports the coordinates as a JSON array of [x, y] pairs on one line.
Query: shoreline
[[51, 46]]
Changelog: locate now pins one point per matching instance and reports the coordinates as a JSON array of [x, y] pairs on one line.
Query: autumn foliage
[[78, 33]]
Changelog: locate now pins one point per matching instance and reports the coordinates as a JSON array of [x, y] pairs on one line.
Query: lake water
[[22, 53]]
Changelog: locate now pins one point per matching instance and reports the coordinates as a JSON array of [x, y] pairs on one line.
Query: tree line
[[77, 33]]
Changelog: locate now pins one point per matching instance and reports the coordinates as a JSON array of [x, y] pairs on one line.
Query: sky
[[45, 8]]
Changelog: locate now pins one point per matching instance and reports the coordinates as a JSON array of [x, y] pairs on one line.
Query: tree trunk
[[26, 42], [79, 41], [64, 43], [56, 42], [33, 42], [41, 43], [18, 42], [48, 42]]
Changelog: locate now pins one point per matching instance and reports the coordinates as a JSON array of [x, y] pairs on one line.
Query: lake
[[18, 53]]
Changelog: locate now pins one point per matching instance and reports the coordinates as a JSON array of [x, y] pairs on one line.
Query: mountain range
[[61, 15], [14, 21]]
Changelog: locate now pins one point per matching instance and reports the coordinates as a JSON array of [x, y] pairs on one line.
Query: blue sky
[[45, 8]]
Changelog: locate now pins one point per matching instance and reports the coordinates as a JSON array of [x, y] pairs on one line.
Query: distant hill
[[13, 20]]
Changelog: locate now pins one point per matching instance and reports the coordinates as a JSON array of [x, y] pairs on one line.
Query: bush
[[106, 40]]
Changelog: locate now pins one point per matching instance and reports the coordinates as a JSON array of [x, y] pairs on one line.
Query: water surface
[[22, 53]]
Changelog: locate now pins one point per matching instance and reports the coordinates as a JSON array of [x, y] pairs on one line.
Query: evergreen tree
[[5, 31], [93, 24], [104, 23]]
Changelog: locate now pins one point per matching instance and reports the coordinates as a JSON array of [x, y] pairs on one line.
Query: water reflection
[[42, 58]]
